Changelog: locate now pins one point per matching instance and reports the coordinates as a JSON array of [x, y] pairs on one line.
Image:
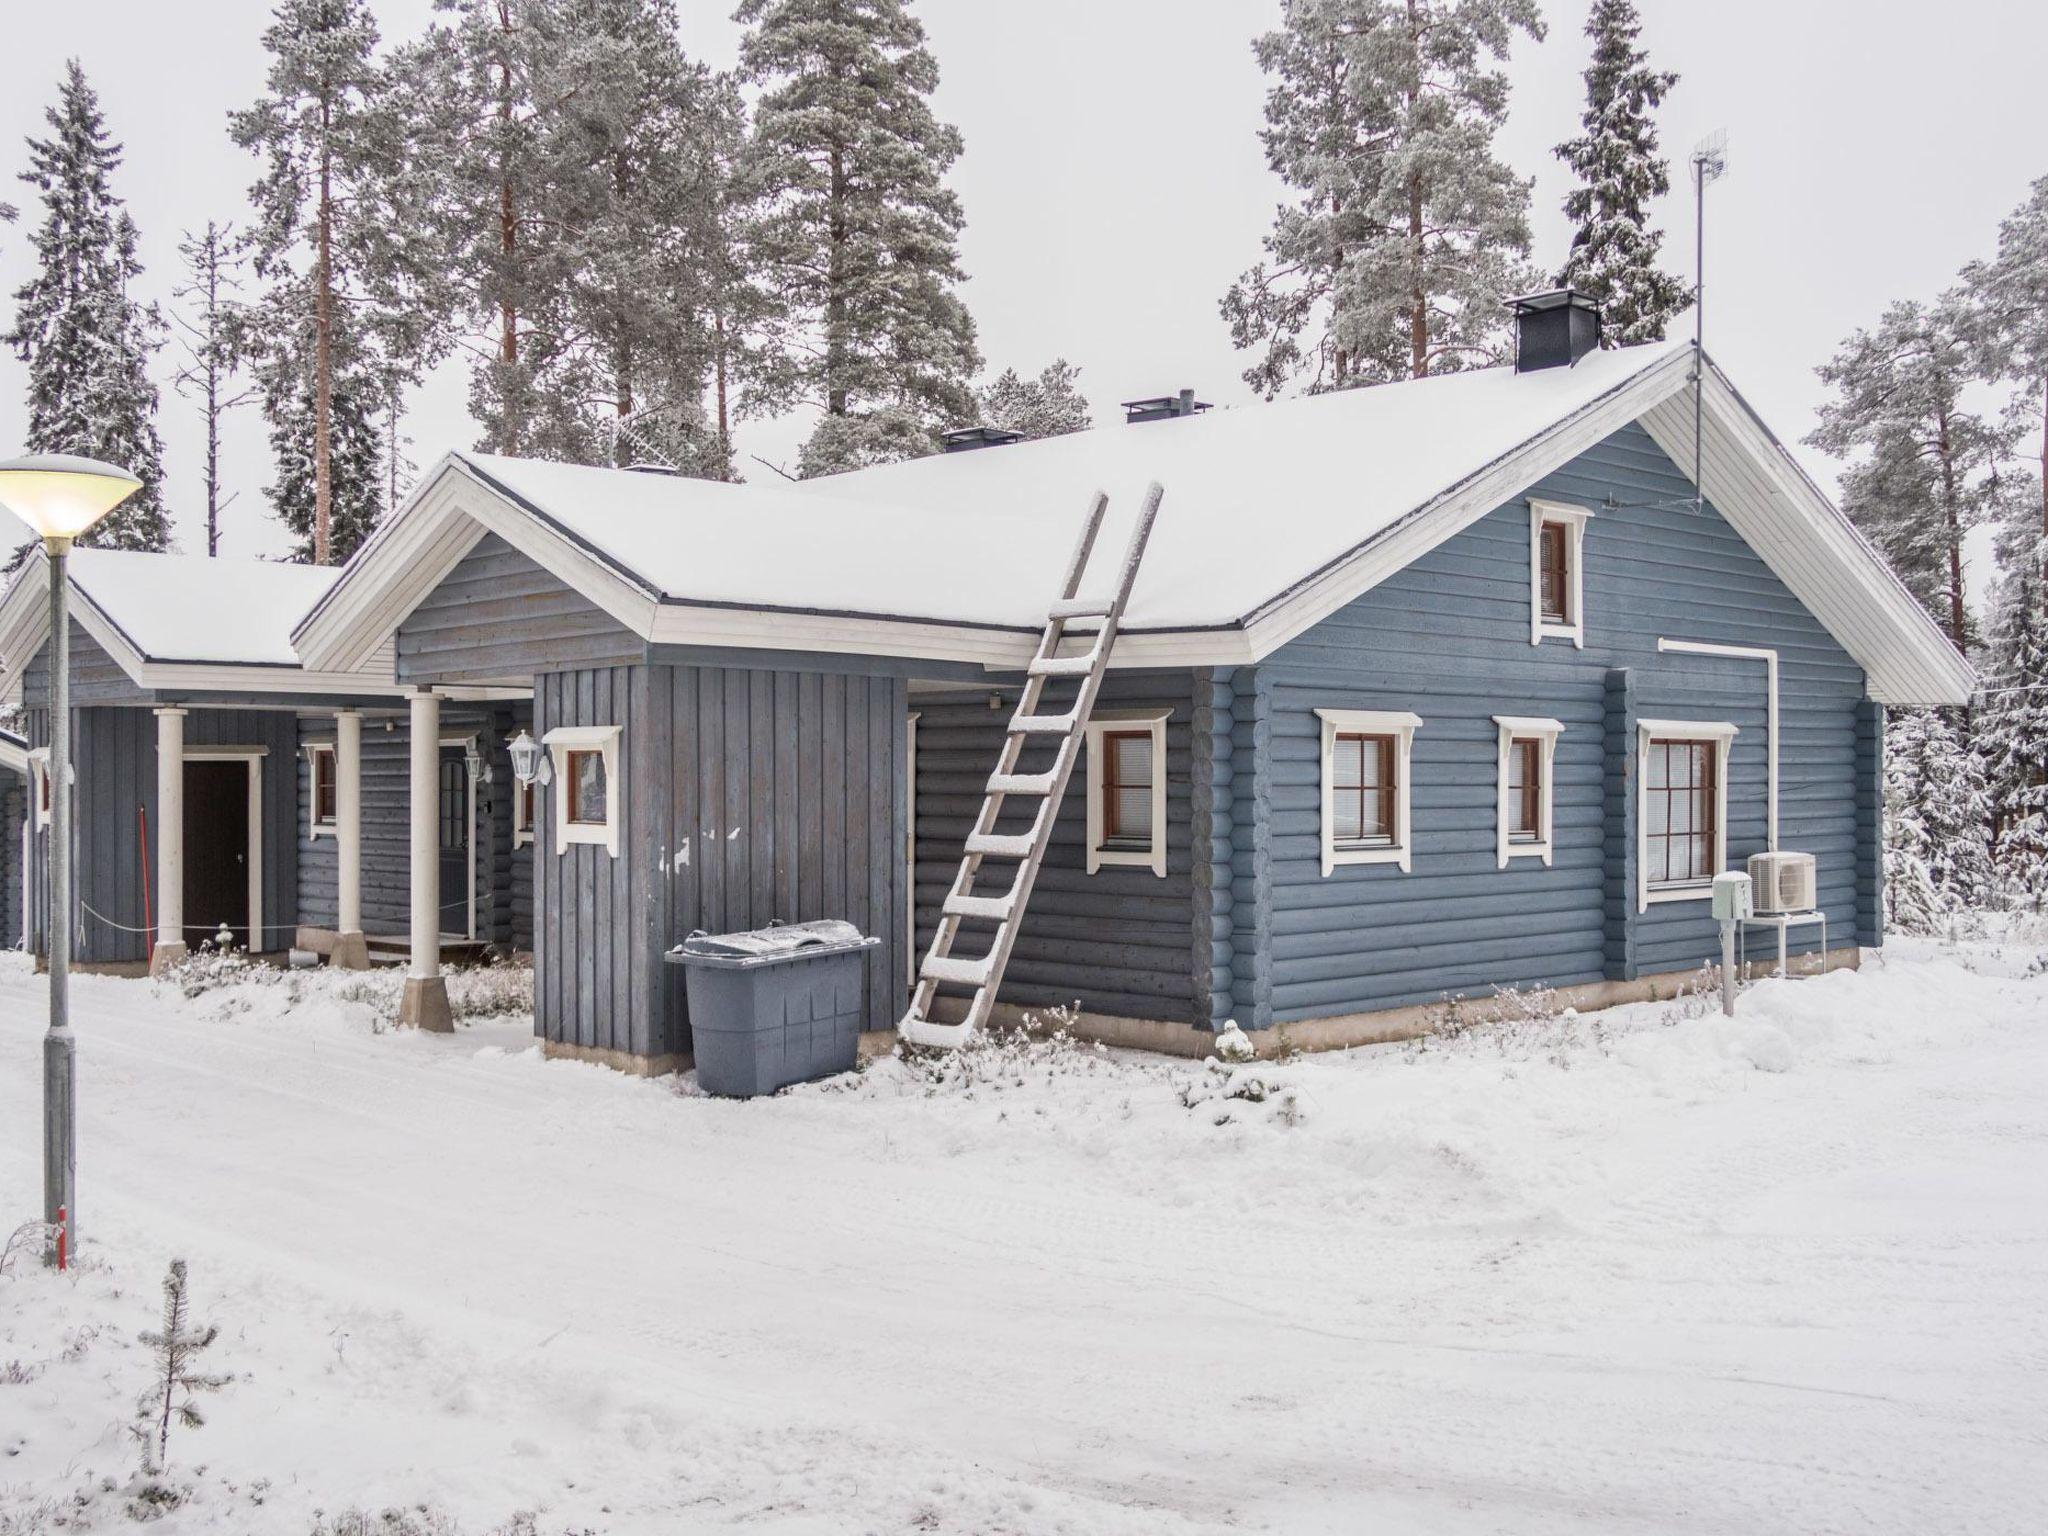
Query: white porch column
[[170, 840], [351, 952], [426, 994]]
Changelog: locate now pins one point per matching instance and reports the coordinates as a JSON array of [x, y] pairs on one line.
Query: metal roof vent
[[966, 439], [648, 467], [1555, 329], [1163, 407]]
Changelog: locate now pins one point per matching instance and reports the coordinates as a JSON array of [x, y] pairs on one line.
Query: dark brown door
[[217, 852], [454, 820]]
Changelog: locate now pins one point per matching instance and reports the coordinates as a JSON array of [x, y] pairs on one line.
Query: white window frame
[[1515, 728], [1402, 726], [603, 739], [1122, 721], [522, 837], [40, 799], [315, 827], [1574, 519], [1722, 736]]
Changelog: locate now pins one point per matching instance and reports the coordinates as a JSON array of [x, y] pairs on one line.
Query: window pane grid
[[1679, 796], [1555, 584], [1127, 789], [1525, 790], [586, 789], [1363, 790]]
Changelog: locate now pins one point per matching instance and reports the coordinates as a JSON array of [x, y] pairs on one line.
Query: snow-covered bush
[[1515, 1021], [492, 990], [1234, 1084], [1038, 1050]]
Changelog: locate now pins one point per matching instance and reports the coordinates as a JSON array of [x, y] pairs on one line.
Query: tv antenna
[[1709, 163]]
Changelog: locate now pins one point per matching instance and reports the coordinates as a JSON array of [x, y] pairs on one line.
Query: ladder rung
[[1062, 666], [967, 973], [1079, 608], [1001, 844], [1045, 725], [1020, 783], [995, 907]]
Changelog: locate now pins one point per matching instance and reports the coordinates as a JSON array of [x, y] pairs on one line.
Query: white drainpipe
[[1770, 660]]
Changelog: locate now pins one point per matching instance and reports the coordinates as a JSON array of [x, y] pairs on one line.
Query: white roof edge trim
[[1530, 725]]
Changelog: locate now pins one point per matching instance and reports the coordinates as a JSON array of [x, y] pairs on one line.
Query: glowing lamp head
[[61, 496], [526, 757]]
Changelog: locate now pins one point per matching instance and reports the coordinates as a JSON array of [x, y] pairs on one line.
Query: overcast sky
[[1114, 185]]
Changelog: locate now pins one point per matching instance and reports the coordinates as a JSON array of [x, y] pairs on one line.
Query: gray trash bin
[[774, 1006]]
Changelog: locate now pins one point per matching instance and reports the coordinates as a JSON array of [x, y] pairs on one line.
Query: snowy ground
[[1644, 1271]]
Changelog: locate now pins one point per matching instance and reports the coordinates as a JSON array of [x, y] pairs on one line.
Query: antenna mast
[[1709, 163]]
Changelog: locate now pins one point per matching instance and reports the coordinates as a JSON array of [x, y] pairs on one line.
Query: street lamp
[[60, 497]]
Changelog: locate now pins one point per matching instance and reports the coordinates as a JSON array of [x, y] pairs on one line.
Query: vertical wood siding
[[114, 753], [1119, 941], [1449, 639], [96, 678], [13, 817]]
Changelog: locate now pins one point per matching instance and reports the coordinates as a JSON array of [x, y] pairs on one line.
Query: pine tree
[[342, 235], [2009, 295], [1048, 405], [2012, 731], [356, 467], [213, 348], [86, 340], [1407, 234], [857, 234], [1925, 471], [1937, 853], [1614, 250], [176, 1349]]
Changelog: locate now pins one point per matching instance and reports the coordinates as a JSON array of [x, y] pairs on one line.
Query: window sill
[[1128, 858], [522, 837], [1388, 855], [1576, 633], [1528, 851], [1657, 895], [323, 829]]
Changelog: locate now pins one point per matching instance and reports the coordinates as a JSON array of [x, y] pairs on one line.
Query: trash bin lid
[[775, 942]]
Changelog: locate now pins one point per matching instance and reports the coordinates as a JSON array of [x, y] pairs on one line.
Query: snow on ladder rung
[[1079, 608], [996, 908], [1020, 783], [1062, 666], [966, 973], [1001, 844], [1045, 725]]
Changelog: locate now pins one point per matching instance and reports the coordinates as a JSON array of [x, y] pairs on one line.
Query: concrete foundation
[[167, 953], [618, 1061], [425, 1005]]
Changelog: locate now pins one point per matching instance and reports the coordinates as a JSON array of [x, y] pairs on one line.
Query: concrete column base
[[168, 952], [425, 1005], [350, 953]]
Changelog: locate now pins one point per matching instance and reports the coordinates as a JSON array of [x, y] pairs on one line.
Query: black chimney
[[1163, 407], [1554, 330], [965, 439]]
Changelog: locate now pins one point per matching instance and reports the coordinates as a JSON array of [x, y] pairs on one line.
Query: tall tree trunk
[[323, 354], [1418, 315], [835, 293], [2044, 479], [508, 220], [1958, 614], [724, 410]]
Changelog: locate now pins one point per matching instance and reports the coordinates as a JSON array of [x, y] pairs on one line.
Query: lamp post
[[60, 497]]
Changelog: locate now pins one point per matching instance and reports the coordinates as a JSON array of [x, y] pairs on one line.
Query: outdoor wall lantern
[[473, 760], [529, 762]]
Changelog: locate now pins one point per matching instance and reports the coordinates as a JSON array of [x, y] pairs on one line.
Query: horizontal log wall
[[1448, 638], [13, 823], [498, 615]]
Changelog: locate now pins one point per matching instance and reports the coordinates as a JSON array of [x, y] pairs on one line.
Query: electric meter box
[[1733, 897]]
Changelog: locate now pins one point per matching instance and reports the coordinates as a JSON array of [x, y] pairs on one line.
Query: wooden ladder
[[1033, 720]]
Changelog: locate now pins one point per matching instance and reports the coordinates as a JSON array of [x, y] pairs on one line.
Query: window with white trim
[[1127, 789], [1365, 787], [39, 784], [589, 785], [1557, 577], [1682, 808], [1527, 756], [323, 797]]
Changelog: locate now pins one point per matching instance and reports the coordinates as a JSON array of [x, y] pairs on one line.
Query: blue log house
[[1424, 690]]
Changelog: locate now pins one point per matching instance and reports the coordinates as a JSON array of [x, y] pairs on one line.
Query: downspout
[[1770, 660]]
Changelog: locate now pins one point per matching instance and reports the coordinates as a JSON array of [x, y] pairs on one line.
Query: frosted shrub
[[176, 1349], [1517, 1022], [1039, 1050], [1234, 1084], [215, 966]]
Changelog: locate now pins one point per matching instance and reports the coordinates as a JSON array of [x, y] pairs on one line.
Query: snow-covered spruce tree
[[1937, 856], [2009, 302], [856, 234], [1047, 405], [1614, 250], [1923, 463], [176, 1350], [1408, 233], [342, 236], [2012, 732], [356, 467], [86, 340], [213, 347]]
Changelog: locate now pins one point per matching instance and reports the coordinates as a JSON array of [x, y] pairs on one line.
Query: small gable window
[[588, 791], [1557, 586], [1527, 753], [1127, 789], [1365, 786]]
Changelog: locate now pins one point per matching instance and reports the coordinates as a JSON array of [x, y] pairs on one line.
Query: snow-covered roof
[[1274, 516], [1256, 500]]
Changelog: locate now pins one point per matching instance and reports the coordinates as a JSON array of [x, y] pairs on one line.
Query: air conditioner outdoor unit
[[1784, 882]]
